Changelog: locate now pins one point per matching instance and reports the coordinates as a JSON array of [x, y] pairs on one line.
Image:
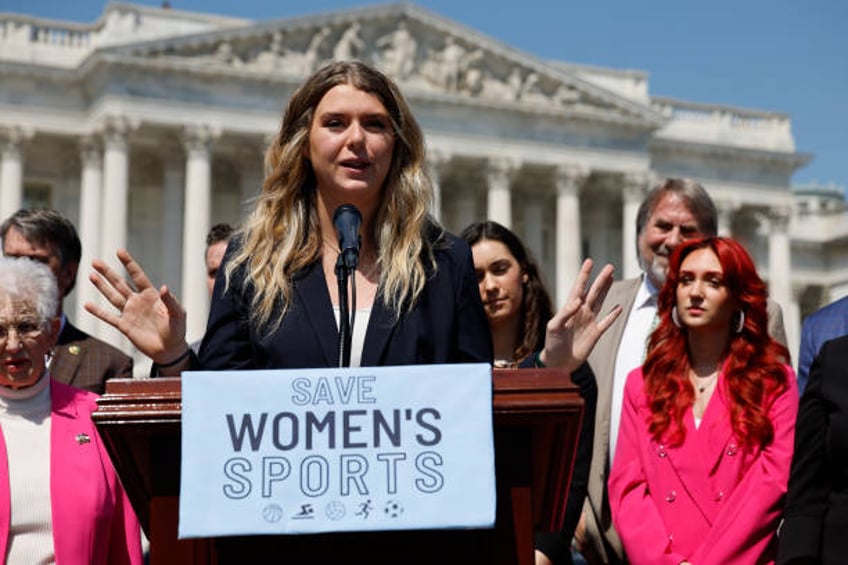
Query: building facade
[[150, 125]]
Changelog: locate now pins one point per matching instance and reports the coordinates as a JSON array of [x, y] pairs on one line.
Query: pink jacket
[[93, 522], [707, 501]]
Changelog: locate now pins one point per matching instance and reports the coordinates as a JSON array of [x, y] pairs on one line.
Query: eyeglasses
[[26, 330]]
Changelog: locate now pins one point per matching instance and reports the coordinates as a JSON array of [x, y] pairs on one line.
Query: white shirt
[[25, 419], [360, 324], [631, 351]]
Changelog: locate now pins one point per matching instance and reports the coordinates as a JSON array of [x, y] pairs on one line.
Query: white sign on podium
[[332, 450]]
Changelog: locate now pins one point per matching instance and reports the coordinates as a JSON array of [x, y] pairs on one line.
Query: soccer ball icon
[[393, 509], [335, 510]]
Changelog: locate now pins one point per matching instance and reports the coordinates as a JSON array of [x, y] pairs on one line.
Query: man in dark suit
[[816, 509], [78, 359], [822, 325], [673, 211], [216, 245]]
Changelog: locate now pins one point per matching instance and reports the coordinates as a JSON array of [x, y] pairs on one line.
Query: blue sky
[[781, 55]]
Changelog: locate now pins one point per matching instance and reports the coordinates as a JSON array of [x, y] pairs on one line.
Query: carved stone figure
[[452, 59], [224, 55], [349, 44], [472, 83], [309, 59], [276, 50], [565, 95], [531, 91], [446, 68], [290, 61], [269, 58], [397, 52], [497, 89]]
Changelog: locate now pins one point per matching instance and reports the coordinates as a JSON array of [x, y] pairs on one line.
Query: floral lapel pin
[[74, 349]]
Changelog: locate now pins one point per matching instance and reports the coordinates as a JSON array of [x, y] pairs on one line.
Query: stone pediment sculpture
[[426, 54]]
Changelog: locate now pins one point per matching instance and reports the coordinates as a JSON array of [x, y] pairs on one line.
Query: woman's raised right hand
[[152, 319]]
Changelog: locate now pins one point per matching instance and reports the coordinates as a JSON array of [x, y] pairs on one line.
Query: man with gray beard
[[673, 211]]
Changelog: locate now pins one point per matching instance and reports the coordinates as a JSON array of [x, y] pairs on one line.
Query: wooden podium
[[537, 414]]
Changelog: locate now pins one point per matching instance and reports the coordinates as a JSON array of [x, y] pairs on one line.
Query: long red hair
[[753, 368]]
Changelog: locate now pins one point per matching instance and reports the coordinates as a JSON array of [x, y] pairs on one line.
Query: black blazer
[[446, 325], [815, 528]]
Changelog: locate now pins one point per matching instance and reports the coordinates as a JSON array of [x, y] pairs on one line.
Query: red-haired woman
[[706, 439]]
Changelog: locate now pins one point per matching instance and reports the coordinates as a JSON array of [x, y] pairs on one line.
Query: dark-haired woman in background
[[518, 307], [514, 296], [703, 454]]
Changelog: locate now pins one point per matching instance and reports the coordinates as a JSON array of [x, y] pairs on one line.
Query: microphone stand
[[347, 221], [345, 272]]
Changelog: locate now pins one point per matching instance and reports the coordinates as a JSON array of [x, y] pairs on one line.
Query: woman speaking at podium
[[347, 137]]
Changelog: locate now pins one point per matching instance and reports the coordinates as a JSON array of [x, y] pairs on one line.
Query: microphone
[[347, 220]]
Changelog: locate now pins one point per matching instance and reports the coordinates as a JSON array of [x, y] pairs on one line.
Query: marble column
[[173, 182], [499, 174], [196, 224], [568, 179], [633, 191], [252, 176], [91, 197], [465, 209], [534, 218], [436, 162], [726, 211], [113, 210], [792, 323], [780, 270], [12, 141], [113, 217]]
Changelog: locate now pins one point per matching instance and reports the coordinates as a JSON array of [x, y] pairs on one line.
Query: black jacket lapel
[[381, 326], [314, 299]]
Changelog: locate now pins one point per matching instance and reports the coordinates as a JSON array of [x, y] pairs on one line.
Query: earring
[[675, 318], [740, 325]]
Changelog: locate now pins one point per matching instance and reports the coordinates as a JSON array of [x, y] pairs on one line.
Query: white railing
[[26, 39], [728, 125], [825, 189], [23, 30], [741, 118], [62, 37]]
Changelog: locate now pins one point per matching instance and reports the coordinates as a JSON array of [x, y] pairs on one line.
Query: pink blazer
[[707, 501], [93, 522]]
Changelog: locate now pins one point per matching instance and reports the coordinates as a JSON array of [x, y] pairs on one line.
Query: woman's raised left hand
[[576, 327]]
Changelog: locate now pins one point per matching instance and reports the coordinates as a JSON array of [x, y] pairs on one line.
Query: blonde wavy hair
[[282, 235]]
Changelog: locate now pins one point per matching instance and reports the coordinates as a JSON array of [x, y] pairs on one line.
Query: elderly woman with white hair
[[60, 499]]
